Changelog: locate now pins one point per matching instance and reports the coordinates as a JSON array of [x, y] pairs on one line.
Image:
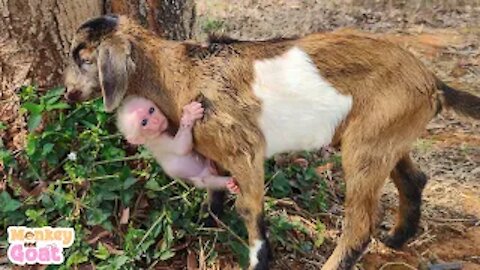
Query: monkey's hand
[[191, 113]]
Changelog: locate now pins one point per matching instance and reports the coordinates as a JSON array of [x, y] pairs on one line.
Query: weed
[[212, 25]]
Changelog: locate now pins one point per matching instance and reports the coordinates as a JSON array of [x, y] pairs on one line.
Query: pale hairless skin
[[141, 122]]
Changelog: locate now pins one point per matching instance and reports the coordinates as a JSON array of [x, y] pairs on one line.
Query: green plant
[[88, 177], [212, 25]]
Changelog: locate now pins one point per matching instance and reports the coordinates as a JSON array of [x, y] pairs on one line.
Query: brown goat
[[366, 95]]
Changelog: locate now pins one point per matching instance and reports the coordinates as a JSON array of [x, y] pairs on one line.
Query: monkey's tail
[[461, 102]]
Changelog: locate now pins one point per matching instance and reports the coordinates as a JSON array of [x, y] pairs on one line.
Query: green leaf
[[33, 108], [34, 121], [320, 229], [58, 91], [8, 204], [5, 157], [241, 252], [76, 257], [58, 106], [129, 182], [167, 254], [119, 261], [2, 126], [47, 148], [96, 216], [52, 100], [280, 186], [31, 144], [101, 252], [152, 185]]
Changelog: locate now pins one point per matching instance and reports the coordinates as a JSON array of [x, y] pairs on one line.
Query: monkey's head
[[139, 120], [100, 62]]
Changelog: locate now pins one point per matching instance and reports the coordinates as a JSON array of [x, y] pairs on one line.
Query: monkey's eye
[[144, 122], [151, 110], [87, 61]]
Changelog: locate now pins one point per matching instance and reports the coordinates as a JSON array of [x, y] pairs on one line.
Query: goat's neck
[[162, 72]]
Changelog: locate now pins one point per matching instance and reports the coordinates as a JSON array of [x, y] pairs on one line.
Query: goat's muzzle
[[73, 96]]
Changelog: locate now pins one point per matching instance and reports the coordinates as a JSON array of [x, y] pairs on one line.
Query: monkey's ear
[[135, 140], [114, 66]]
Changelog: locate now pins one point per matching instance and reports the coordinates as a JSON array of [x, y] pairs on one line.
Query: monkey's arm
[[182, 143]]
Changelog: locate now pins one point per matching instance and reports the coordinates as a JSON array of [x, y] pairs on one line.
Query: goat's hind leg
[[365, 173], [410, 182]]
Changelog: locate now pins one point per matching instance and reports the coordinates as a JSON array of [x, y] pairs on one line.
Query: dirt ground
[[445, 37]]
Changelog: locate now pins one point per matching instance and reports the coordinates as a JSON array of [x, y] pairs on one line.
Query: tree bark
[[35, 37], [172, 19]]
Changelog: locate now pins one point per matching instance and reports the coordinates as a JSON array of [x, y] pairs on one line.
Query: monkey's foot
[[232, 186]]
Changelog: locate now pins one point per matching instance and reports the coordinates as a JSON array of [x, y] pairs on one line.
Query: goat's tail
[[461, 102]]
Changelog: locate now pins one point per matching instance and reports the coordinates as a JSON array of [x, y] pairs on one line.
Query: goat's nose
[[73, 96]]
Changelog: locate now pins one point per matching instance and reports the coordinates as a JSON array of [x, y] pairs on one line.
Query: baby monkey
[[141, 122]]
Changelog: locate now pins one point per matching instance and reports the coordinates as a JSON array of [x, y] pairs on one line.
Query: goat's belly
[[300, 109]]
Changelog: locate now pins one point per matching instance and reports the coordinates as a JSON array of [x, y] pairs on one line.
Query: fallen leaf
[[125, 216], [324, 168]]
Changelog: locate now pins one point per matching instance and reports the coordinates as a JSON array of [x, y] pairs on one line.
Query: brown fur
[[394, 96]]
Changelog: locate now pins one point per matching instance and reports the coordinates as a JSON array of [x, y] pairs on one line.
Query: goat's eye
[[144, 122], [151, 110]]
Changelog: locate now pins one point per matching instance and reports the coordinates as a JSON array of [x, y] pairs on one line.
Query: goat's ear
[[114, 66]]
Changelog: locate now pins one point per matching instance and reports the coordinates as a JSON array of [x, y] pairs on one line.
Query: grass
[[76, 171], [212, 25]]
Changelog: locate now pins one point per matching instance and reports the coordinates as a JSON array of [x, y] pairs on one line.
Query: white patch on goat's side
[[300, 109], [254, 252]]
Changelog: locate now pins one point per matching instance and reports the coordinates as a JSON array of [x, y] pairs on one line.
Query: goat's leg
[[365, 173], [410, 182], [215, 203], [250, 178]]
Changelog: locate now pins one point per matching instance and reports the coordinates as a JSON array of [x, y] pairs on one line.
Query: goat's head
[[100, 62]]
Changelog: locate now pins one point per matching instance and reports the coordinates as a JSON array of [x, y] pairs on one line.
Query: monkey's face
[[150, 121]]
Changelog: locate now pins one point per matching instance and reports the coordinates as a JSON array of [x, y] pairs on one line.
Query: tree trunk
[[35, 38], [172, 19]]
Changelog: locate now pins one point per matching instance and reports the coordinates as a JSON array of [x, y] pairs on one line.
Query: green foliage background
[[88, 174]]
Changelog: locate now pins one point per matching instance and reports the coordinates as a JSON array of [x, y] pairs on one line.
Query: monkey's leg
[[216, 199], [410, 182], [365, 173]]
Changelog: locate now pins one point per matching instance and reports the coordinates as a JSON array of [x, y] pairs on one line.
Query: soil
[[445, 37]]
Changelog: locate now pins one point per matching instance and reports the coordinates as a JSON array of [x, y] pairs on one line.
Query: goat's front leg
[[249, 173]]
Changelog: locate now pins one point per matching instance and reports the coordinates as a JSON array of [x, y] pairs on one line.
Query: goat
[[366, 95]]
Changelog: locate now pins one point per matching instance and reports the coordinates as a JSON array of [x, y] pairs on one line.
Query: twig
[[406, 265], [314, 263], [227, 228], [117, 160], [151, 229], [153, 264], [455, 220], [110, 176]]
